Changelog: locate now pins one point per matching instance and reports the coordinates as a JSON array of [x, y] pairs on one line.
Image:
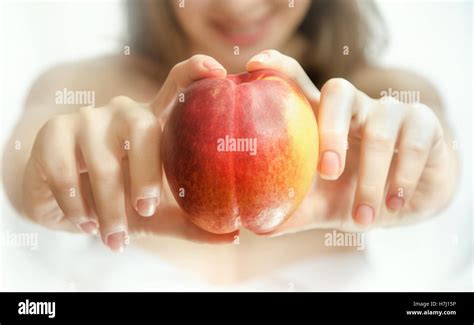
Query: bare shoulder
[[374, 81], [105, 77]]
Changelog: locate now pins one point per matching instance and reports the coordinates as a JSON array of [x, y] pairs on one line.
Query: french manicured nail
[[212, 65], [395, 203], [330, 165], [89, 227], [147, 207], [261, 57], [117, 241], [364, 214]]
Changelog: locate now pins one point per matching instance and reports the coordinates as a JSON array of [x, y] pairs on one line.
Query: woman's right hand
[[100, 168]]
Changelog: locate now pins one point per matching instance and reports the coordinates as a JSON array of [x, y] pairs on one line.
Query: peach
[[240, 151]]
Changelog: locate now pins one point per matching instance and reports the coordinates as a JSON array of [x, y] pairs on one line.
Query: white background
[[433, 38]]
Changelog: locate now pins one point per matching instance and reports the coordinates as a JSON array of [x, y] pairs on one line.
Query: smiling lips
[[242, 34]]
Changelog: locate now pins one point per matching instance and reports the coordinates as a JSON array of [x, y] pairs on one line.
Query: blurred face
[[234, 30]]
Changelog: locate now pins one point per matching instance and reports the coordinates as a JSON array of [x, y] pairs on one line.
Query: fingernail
[[261, 57], [330, 165], [117, 241], [147, 207], [89, 227], [395, 202], [212, 65], [364, 214]]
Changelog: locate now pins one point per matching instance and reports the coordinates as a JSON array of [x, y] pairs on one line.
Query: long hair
[[342, 35]]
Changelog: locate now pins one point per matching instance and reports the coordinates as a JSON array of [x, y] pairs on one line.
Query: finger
[[335, 111], [170, 220], [414, 148], [39, 204], [141, 141], [56, 156], [102, 157], [272, 59], [182, 75], [378, 142]]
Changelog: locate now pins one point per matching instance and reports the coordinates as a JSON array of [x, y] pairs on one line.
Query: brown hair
[[331, 27]]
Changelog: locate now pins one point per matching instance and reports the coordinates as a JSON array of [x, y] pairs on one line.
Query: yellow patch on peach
[[302, 129]]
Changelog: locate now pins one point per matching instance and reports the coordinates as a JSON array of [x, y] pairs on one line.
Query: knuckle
[[39, 156], [439, 133], [30, 211], [86, 111], [334, 138], [120, 102], [105, 171], [293, 63], [390, 100], [420, 110], [143, 125], [147, 185], [403, 186], [35, 215], [368, 191], [38, 215], [425, 115], [273, 52], [87, 117], [378, 140], [47, 138], [197, 59], [414, 148], [422, 113], [420, 107], [193, 61], [75, 214], [63, 182], [337, 85], [175, 69], [333, 132], [190, 64], [53, 125]]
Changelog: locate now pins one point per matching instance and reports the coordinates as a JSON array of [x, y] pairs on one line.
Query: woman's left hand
[[381, 162]]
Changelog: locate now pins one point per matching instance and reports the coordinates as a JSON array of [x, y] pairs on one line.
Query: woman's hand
[[100, 168], [380, 160]]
